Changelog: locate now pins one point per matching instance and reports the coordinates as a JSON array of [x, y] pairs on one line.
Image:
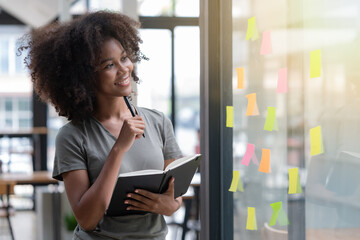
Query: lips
[[123, 82]]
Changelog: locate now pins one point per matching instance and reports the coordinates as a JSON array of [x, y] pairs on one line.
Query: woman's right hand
[[132, 129]]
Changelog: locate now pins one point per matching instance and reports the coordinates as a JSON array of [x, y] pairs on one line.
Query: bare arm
[[167, 162], [90, 202]]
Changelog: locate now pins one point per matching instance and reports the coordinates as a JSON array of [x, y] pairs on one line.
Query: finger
[[134, 203], [137, 208], [146, 194], [170, 189], [138, 198]]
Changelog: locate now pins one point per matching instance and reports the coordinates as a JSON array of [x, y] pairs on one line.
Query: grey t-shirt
[[87, 145]]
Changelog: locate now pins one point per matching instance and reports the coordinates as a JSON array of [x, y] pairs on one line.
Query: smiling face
[[113, 74]]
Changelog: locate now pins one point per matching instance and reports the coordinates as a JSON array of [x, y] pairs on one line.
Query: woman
[[84, 68]]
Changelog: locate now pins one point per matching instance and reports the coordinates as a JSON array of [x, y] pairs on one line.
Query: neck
[[111, 108]]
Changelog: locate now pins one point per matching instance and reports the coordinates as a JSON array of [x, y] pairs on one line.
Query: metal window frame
[[169, 23], [216, 139]]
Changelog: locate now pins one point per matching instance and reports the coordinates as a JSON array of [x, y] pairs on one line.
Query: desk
[[189, 200], [8, 180], [36, 134], [35, 178]]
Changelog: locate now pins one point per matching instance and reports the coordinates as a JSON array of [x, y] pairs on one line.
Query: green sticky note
[[315, 63], [229, 116], [316, 143], [252, 32], [251, 219], [270, 122], [278, 214], [235, 181], [276, 209], [282, 217]]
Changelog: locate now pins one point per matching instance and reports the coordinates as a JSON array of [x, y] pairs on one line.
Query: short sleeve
[[171, 148], [69, 151]]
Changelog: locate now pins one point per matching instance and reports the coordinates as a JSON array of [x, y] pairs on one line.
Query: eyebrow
[[110, 58]]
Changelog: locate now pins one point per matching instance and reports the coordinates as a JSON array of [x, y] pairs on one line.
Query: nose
[[121, 67]]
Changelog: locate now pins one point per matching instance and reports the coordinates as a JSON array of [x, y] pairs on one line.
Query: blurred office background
[[194, 47], [169, 82]]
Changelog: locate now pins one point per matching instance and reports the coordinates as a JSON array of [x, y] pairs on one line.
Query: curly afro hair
[[62, 59]]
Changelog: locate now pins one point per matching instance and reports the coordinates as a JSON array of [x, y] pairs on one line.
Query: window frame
[[169, 23]]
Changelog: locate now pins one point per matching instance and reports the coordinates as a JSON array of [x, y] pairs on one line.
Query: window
[[154, 90], [172, 44], [299, 32], [4, 55], [15, 112], [187, 87]]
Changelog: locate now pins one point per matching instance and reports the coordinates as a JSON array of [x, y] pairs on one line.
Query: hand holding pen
[[130, 108]]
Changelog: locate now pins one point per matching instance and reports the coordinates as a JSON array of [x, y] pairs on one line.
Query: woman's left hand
[[163, 204]]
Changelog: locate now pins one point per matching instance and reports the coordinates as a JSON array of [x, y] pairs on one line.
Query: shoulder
[[71, 132], [152, 114]]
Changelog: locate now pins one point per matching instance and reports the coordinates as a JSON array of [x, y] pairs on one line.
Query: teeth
[[122, 82]]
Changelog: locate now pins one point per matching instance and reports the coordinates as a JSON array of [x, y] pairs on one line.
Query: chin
[[127, 92]]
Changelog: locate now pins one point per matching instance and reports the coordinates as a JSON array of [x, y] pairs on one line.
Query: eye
[[110, 65], [124, 58]]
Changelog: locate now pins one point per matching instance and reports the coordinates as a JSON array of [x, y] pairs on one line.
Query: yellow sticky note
[[316, 142], [240, 186], [252, 108], [240, 77], [294, 181], [265, 161], [235, 181], [251, 219], [229, 116], [270, 122], [315, 63], [252, 32]]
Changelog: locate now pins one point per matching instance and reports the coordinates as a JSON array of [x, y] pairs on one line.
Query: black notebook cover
[[155, 182]]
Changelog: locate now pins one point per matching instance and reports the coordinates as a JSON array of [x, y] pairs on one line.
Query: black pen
[[130, 108]]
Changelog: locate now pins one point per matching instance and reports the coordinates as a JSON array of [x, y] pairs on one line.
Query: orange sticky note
[[282, 84], [251, 219], [294, 181], [265, 161], [315, 63], [229, 116], [252, 32], [240, 77], [266, 43], [252, 108], [316, 141]]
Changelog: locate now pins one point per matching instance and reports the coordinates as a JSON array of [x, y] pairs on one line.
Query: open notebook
[[182, 169]]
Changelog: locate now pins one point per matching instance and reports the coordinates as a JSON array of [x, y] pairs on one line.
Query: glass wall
[[296, 109]]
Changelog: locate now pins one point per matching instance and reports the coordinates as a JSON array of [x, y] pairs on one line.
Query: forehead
[[111, 47]]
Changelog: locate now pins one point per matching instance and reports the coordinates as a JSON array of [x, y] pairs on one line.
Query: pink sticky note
[[282, 84], [248, 154], [266, 43], [254, 159]]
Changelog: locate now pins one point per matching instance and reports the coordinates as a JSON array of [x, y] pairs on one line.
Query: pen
[[130, 108]]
